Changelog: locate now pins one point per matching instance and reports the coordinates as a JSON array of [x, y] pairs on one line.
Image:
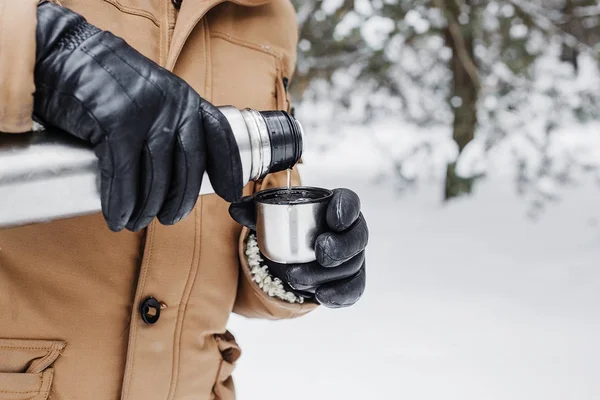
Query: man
[[133, 303]]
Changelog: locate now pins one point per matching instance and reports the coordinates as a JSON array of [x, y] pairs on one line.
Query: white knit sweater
[[260, 274]]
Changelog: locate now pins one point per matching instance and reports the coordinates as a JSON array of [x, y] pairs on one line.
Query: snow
[[363, 7], [519, 31], [331, 6], [350, 21], [376, 31], [470, 300], [416, 21]]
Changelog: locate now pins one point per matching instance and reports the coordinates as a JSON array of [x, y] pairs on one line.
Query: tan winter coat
[[71, 290]]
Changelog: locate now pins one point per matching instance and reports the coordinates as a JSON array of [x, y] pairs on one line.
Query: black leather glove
[[154, 136], [337, 278]]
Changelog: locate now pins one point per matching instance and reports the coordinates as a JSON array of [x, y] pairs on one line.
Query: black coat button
[[177, 3], [150, 310]]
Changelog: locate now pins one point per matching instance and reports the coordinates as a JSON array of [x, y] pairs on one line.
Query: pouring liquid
[[291, 195], [289, 187]]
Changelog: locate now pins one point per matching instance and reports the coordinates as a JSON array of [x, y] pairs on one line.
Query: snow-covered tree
[[507, 75]]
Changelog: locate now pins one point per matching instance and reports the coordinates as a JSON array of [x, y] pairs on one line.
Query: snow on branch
[[545, 23]]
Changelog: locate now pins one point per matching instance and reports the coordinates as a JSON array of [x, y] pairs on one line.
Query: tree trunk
[[465, 91], [569, 51]]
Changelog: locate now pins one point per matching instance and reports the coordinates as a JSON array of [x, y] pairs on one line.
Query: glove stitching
[[178, 214], [109, 71], [112, 175], [339, 226], [148, 61], [70, 39], [357, 223], [147, 197], [343, 199], [140, 109], [137, 106]]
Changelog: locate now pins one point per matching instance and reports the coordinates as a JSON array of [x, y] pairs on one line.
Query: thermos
[[52, 175]]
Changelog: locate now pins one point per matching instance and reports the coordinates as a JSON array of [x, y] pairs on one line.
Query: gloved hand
[[153, 134], [337, 278]]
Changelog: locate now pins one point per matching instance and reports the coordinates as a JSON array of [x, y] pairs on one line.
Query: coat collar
[[190, 14]]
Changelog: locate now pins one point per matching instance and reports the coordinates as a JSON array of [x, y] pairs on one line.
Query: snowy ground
[[468, 301]]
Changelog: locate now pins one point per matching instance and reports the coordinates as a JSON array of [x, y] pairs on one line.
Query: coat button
[[177, 3], [150, 310]]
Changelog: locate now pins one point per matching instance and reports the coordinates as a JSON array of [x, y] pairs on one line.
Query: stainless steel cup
[[288, 222]]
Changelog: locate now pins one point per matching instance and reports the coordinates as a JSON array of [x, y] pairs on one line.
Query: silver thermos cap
[[48, 175]]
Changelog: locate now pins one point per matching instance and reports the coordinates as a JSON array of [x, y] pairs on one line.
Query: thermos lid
[[287, 141]]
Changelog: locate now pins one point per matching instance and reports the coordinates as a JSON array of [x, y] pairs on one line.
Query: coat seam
[[49, 383], [44, 362], [207, 74], [171, 21], [161, 38], [133, 11], [190, 281], [132, 337], [244, 43], [38, 390], [168, 19], [26, 348], [188, 28]]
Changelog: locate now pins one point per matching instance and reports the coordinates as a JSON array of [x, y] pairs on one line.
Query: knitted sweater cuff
[[272, 286]]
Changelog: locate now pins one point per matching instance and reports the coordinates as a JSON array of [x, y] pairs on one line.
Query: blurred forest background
[[480, 120], [515, 76]]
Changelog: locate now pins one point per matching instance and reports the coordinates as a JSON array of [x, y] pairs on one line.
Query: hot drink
[[296, 195], [289, 221]]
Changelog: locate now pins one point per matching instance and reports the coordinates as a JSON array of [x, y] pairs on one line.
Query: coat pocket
[[26, 368], [230, 353]]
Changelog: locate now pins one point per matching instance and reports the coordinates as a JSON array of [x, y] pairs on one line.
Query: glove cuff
[[272, 286]]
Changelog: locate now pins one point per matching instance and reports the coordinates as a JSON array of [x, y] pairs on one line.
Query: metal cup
[[288, 222]]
